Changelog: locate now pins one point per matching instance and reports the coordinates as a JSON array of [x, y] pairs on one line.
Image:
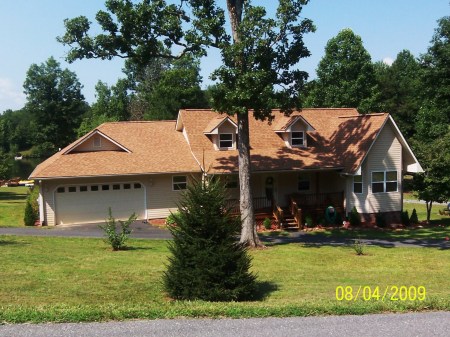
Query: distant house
[[313, 159]]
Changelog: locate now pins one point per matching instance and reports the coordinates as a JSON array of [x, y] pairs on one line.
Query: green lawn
[[12, 206], [73, 279]]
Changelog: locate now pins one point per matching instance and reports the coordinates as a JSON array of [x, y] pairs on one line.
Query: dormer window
[[297, 138], [226, 141]]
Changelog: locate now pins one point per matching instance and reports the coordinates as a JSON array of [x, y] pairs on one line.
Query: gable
[[96, 141]]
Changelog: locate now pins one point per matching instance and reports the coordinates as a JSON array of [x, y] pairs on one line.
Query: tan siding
[[385, 155], [88, 145], [161, 199]]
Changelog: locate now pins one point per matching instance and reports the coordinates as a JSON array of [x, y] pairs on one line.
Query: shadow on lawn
[[264, 289]]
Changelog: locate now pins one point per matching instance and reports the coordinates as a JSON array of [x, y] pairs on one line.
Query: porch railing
[[259, 204], [319, 200]]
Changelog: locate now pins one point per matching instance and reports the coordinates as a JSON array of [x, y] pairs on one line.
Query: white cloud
[[11, 97], [388, 61]]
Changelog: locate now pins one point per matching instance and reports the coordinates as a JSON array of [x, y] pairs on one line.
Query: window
[[105, 187], [94, 188], [297, 138], [303, 183], [137, 185], [226, 140], [357, 184], [60, 190], [83, 188], [179, 183], [384, 181], [126, 186], [116, 187], [72, 189], [97, 141], [232, 181]]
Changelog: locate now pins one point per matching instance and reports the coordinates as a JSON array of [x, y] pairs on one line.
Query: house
[[311, 159]]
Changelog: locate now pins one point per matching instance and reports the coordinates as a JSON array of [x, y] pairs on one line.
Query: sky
[[28, 31]]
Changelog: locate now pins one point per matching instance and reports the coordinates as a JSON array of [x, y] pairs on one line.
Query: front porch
[[299, 207]]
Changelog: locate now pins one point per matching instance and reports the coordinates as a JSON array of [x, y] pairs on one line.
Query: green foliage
[[54, 102], [400, 90], [43, 150], [171, 219], [206, 261], [354, 218], [345, 76], [309, 221], [31, 213], [267, 223], [359, 247], [380, 219], [405, 218], [115, 236], [414, 220], [434, 184], [4, 166]]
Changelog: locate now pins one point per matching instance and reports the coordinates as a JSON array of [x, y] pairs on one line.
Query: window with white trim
[[179, 183], [357, 184], [384, 181], [226, 140], [297, 138]]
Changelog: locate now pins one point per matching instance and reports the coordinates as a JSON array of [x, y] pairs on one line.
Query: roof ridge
[[365, 115]]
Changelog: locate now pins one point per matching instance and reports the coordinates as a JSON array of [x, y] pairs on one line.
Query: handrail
[[278, 214]]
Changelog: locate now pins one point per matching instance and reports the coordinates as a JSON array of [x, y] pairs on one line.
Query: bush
[[207, 262], [359, 247], [380, 220], [170, 220], [308, 221], [267, 223], [31, 214], [354, 218], [405, 218], [414, 220], [116, 237]]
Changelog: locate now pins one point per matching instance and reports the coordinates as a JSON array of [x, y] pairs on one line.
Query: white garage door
[[90, 203]]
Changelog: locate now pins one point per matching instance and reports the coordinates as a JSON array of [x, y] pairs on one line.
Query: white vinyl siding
[[384, 156]]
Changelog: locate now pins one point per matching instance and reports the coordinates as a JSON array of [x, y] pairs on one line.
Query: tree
[[434, 184], [258, 58], [436, 69], [163, 87], [112, 105], [206, 261], [54, 101], [400, 90], [345, 76]]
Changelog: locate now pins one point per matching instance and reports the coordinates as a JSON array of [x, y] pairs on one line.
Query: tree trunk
[[249, 236], [429, 205]]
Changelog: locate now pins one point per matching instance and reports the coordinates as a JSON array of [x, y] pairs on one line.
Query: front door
[[270, 184]]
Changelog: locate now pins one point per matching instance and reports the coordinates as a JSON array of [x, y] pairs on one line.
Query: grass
[[75, 279], [12, 206]]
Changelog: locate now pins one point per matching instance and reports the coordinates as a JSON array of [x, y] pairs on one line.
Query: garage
[[89, 203]]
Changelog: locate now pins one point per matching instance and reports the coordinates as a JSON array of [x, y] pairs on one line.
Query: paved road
[[399, 325], [143, 230]]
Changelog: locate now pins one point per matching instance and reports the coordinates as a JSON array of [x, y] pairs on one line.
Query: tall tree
[[112, 104], [400, 90], [163, 87], [436, 66], [345, 76], [55, 102], [258, 58]]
